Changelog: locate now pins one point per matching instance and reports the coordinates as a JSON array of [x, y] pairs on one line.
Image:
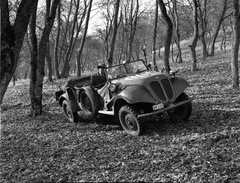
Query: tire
[[69, 114], [89, 104], [129, 121], [182, 112]]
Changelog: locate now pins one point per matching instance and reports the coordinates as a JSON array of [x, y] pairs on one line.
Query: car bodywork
[[136, 86]]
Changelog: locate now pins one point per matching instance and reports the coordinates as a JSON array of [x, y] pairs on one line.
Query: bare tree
[[49, 62], [71, 28], [221, 19], [38, 56], [131, 15], [71, 43], [155, 36], [115, 28], [12, 37], [104, 34], [177, 33], [64, 46], [168, 40], [83, 39], [202, 9], [224, 37], [193, 44], [56, 60], [235, 45]]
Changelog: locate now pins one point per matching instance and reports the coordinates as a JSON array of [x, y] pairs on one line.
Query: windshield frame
[[127, 69]]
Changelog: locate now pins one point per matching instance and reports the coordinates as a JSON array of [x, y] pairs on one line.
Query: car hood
[[140, 79]]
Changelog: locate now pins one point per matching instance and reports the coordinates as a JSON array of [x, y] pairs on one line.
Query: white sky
[[96, 20]]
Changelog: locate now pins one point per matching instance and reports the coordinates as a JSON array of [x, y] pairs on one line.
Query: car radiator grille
[[159, 90]]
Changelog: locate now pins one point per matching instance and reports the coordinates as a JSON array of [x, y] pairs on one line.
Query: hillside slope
[[204, 149]]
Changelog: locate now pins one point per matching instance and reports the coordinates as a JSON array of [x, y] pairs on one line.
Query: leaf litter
[[47, 148]]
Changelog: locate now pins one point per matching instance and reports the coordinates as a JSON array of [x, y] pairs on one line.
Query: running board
[[111, 113]]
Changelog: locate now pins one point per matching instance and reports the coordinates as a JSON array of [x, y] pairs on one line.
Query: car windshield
[[129, 68]]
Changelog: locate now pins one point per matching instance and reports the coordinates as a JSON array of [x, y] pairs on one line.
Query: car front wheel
[[69, 114], [129, 121], [182, 112]]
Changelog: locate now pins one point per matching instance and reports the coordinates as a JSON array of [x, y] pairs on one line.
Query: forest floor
[[48, 148]]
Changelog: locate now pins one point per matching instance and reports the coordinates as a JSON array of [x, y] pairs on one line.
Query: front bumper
[[165, 109]]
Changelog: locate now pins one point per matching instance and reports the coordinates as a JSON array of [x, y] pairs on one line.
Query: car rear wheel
[[182, 112], [69, 114], [129, 121], [89, 104]]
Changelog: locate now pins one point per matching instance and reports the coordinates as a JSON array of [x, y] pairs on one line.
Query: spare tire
[[89, 102]]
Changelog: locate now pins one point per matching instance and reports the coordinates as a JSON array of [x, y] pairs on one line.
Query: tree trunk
[[177, 34], [26, 72], [71, 43], [235, 45], [66, 67], [36, 82], [34, 60], [212, 47], [49, 62], [204, 45], [14, 79], [168, 40], [56, 60], [155, 37], [78, 31], [193, 44], [83, 39], [115, 28], [133, 27], [203, 23], [11, 40], [224, 39]]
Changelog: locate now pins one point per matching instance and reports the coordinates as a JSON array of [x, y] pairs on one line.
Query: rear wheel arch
[[62, 98]]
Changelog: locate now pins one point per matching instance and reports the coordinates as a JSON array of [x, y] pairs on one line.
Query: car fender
[[179, 85], [135, 94], [71, 98], [62, 98]]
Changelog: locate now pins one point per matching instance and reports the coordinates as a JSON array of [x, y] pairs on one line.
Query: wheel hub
[[130, 121], [68, 110], [87, 103]]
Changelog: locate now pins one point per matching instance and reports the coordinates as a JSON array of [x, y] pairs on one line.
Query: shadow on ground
[[204, 119]]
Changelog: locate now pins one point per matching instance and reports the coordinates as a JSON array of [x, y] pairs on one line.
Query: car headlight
[[112, 87]]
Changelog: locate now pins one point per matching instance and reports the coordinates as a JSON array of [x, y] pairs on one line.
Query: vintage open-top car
[[133, 91]]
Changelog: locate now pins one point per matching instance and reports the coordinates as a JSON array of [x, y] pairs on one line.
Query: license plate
[[157, 107]]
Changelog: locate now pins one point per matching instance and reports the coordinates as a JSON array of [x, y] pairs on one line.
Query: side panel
[[179, 85], [135, 94]]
